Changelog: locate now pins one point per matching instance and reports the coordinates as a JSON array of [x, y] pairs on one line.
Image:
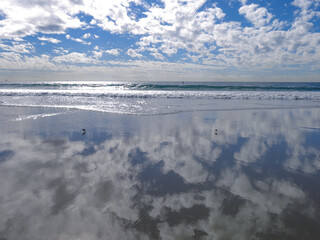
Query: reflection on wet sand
[[168, 177]]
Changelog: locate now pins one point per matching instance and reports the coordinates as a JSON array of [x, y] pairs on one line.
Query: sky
[[159, 40]]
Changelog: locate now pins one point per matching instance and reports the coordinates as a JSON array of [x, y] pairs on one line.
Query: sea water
[[158, 97]]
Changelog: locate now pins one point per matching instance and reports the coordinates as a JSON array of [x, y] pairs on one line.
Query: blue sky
[[160, 40]]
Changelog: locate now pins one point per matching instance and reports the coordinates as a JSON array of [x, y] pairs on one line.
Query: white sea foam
[[35, 116], [105, 93], [126, 99]]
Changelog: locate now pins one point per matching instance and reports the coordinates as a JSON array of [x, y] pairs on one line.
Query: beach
[[159, 120], [237, 170]]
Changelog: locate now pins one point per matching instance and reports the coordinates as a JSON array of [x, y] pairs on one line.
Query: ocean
[[155, 97]]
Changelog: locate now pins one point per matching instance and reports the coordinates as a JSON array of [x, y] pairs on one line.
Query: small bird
[[83, 131]]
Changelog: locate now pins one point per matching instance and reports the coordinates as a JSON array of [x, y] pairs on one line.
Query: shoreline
[[199, 106]]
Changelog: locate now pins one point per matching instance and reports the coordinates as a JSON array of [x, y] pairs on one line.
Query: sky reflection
[[211, 175]]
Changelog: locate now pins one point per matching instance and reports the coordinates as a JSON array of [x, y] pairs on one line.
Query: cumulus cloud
[[73, 57], [97, 54], [191, 30], [158, 55], [27, 18], [304, 4], [60, 50], [14, 61], [18, 47], [79, 40], [11, 57], [134, 53], [259, 16], [308, 8], [46, 39], [114, 52], [86, 35]]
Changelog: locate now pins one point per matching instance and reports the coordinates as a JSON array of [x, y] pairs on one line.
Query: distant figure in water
[[182, 82], [83, 131]]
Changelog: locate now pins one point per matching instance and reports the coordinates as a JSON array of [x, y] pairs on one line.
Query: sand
[[236, 174]]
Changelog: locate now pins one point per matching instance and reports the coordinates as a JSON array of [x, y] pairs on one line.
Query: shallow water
[[157, 98], [236, 174]]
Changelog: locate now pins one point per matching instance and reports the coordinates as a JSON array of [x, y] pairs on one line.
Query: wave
[[152, 98], [224, 87], [256, 95], [215, 86]]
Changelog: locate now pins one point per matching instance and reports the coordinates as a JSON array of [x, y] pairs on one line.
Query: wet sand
[[248, 174]]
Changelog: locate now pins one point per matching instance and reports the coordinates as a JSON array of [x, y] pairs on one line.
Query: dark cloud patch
[[77, 2], [23, 32], [262, 49], [103, 193], [81, 167], [62, 197], [51, 28], [58, 144], [55, 142], [41, 3], [52, 24]]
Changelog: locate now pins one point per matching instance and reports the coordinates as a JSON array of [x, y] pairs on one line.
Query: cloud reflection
[[169, 177]]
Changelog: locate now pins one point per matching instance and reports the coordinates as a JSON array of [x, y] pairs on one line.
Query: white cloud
[[60, 50], [202, 33], [79, 40], [11, 57], [16, 61], [114, 52], [97, 54], [134, 54], [18, 47], [46, 39], [24, 18], [243, 2], [86, 35], [308, 8], [176, 26], [303, 4], [73, 57], [259, 16], [158, 55]]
